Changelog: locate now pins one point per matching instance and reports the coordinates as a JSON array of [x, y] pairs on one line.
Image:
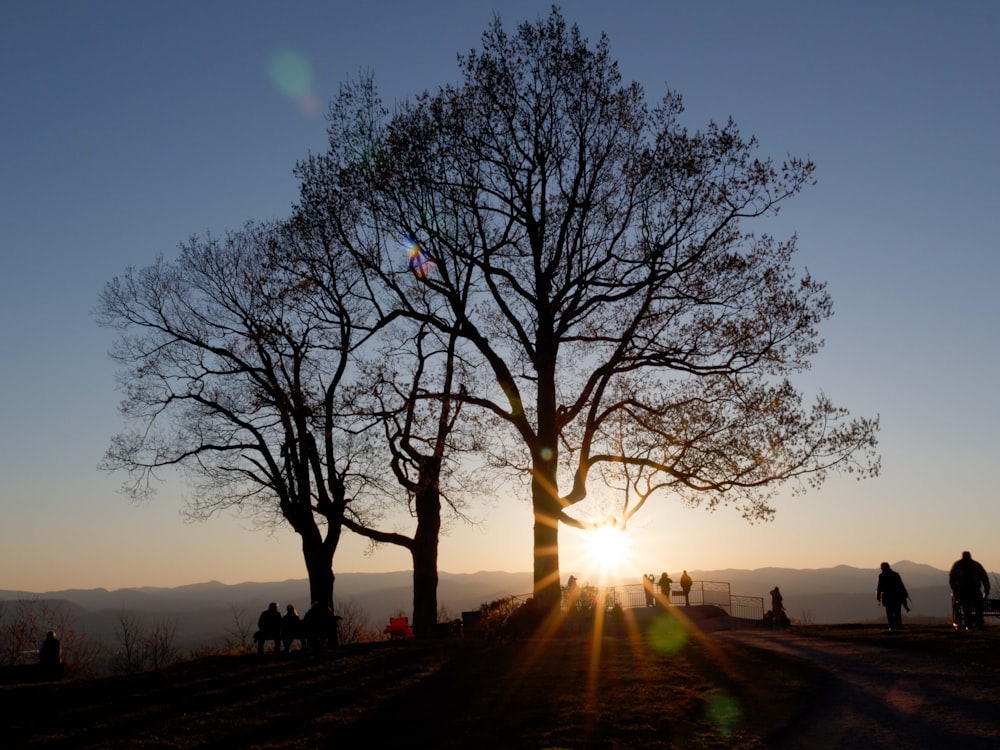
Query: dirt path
[[877, 698]]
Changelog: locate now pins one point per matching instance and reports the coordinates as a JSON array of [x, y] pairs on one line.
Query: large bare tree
[[594, 254], [232, 374]]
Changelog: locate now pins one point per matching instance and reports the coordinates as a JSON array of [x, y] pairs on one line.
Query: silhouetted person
[[50, 652], [686, 584], [664, 583], [648, 585], [570, 593], [892, 594], [320, 627], [778, 616], [269, 628], [970, 585], [291, 627]]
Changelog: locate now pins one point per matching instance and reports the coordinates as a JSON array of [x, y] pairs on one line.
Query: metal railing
[[629, 596]]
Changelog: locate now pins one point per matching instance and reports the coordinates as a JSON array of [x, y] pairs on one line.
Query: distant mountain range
[[205, 612]]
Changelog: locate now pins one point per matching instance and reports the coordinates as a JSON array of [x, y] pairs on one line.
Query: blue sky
[[126, 127]]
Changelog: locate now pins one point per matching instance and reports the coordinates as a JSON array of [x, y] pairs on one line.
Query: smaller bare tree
[[161, 650], [130, 635], [239, 636], [355, 625]]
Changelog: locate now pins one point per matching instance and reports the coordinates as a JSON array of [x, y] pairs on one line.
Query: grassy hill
[[657, 684], [660, 687]]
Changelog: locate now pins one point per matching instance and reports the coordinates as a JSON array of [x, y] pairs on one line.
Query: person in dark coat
[[50, 652], [291, 627], [269, 628], [969, 585], [892, 594], [320, 627], [664, 584], [686, 584], [50, 656], [778, 615]]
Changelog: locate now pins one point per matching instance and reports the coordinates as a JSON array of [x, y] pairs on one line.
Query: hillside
[[668, 686], [443, 694]]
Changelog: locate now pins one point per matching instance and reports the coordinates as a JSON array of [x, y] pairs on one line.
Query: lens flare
[[667, 634], [418, 259], [291, 74], [723, 711]]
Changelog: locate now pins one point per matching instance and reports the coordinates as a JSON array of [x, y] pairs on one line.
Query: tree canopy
[[594, 256], [533, 264], [232, 372]]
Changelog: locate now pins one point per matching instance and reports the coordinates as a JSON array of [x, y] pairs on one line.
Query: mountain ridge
[[207, 610]]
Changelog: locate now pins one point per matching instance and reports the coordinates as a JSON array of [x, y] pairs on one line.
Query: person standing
[[648, 586], [664, 583], [778, 616], [891, 594], [969, 585], [686, 584]]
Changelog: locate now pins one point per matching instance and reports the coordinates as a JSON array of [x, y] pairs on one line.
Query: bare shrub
[[205, 650], [161, 650], [355, 624], [130, 637], [141, 648], [239, 636], [494, 614]]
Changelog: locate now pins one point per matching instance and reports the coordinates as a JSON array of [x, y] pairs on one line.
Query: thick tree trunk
[[544, 483], [425, 555], [547, 589], [319, 567], [425, 583]]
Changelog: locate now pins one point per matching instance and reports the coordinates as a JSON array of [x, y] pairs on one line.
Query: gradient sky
[[126, 127]]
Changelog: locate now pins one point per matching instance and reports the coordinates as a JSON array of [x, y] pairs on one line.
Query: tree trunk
[[547, 588], [425, 558], [425, 582], [544, 479], [319, 567]]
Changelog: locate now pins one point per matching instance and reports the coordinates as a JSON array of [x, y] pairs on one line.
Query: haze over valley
[[205, 612]]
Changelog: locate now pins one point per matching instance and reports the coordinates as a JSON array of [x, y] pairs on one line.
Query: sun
[[607, 550]]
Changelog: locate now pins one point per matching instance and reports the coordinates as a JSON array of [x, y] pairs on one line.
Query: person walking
[[891, 594], [969, 585], [686, 584]]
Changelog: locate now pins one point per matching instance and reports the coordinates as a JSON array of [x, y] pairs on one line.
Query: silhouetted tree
[[232, 374], [405, 391], [592, 252], [412, 396]]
